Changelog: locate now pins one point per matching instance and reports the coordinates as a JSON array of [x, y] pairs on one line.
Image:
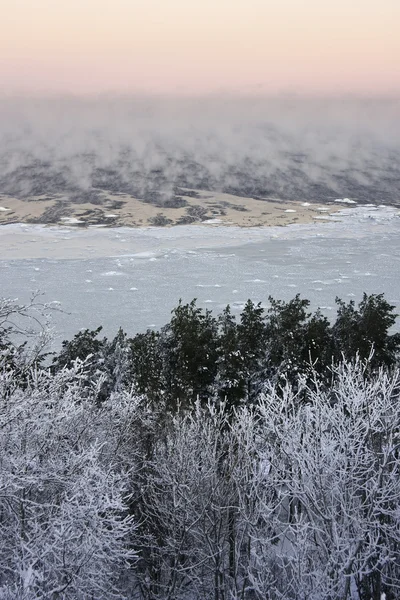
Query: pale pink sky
[[200, 46]]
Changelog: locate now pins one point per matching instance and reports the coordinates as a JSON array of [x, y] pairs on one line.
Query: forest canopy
[[199, 355], [219, 458]]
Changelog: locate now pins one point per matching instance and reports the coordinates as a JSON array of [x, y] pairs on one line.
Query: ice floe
[[255, 281]]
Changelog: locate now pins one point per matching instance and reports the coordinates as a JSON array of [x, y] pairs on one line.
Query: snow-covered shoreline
[[23, 241]]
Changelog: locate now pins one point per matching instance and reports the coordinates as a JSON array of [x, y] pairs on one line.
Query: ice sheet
[[127, 287]]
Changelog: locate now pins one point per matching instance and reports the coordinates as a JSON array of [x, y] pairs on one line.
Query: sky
[[200, 46]]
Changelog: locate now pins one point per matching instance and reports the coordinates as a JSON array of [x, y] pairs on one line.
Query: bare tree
[[64, 523], [25, 331], [337, 455]]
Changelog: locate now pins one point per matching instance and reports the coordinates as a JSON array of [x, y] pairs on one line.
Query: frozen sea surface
[[135, 283]]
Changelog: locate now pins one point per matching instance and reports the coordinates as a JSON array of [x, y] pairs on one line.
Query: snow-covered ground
[[134, 277]]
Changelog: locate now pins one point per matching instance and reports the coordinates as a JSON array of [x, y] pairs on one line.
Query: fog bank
[[287, 148]]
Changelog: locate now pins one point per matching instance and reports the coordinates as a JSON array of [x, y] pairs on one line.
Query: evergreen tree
[[285, 329], [297, 339], [365, 329], [318, 348], [190, 353], [147, 369], [83, 344], [252, 347], [230, 378], [115, 364]]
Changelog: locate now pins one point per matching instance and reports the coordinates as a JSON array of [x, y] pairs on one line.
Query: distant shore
[[77, 241], [197, 207]]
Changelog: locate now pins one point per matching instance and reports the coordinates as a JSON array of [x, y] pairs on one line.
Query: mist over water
[[286, 148]]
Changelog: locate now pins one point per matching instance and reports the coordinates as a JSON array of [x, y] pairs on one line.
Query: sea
[[133, 278]]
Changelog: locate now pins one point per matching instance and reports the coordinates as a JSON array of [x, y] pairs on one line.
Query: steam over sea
[[286, 148]]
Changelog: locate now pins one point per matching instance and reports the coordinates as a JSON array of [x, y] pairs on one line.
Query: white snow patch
[[71, 220]]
